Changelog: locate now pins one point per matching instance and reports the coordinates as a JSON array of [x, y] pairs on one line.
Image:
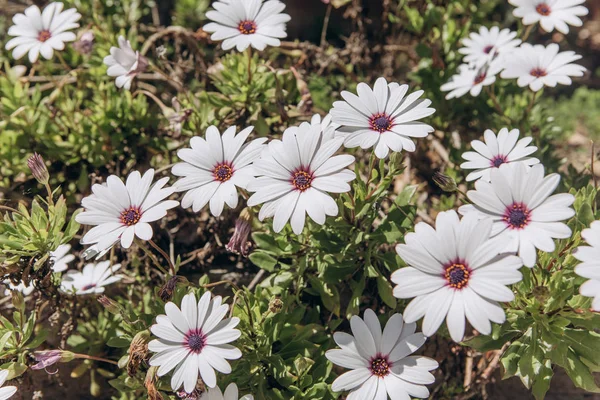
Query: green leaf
[[263, 260], [386, 291], [542, 380]]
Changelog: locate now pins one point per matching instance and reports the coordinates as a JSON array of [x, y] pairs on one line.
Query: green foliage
[[27, 236], [549, 323]]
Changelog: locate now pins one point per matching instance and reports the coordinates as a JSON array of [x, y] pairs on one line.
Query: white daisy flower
[[91, 280], [214, 168], [6, 392], [122, 211], [296, 174], [381, 363], [125, 63], [539, 66], [551, 14], [456, 271], [590, 264], [243, 23], [484, 46], [61, 258], [471, 80], [193, 341], [39, 32], [25, 290], [383, 117], [520, 202], [231, 393], [496, 151]]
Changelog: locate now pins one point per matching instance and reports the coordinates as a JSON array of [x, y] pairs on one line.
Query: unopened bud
[[85, 44], [18, 300], [38, 168], [275, 305], [47, 358], [239, 243], [110, 305], [446, 183]]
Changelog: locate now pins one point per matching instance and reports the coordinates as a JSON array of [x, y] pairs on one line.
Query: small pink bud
[[38, 168]]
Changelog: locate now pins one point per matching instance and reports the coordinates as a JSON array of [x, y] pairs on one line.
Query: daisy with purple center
[[520, 203], [91, 280], [121, 211], [590, 264], [296, 175], [538, 66], [214, 168], [244, 23], [381, 362], [551, 14], [193, 341], [41, 32], [471, 80], [456, 271], [495, 151], [484, 46], [383, 117]]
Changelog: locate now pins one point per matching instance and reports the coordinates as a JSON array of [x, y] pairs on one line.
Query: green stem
[[249, 65], [87, 357], [165, 255]]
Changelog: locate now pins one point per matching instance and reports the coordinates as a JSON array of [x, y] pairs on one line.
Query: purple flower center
[[457, 274], [479, 78], [499, 160], [88, 286], [381, 122], [538, 72], [488, 49], [195, 341], [223, 172], [302, 180], [543, 9], [380, 366], [131, 216], [44, 36], [247, 27], [517, 216]]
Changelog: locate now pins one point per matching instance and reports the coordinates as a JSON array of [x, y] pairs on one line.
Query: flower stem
[[50, 199], [527, 32], [497, 105], [249, 65], [326, 25], [531, 104], [87, 357], [165, 255]]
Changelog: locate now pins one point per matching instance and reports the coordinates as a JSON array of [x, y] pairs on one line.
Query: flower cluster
[[493, 51], [459, 271]]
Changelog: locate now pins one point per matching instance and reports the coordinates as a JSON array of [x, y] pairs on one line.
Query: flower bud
[[446, 183], [239, 243], [85, 44], [275, 305], [47, 358], [38, 168], [110, 305], [17, 300]]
